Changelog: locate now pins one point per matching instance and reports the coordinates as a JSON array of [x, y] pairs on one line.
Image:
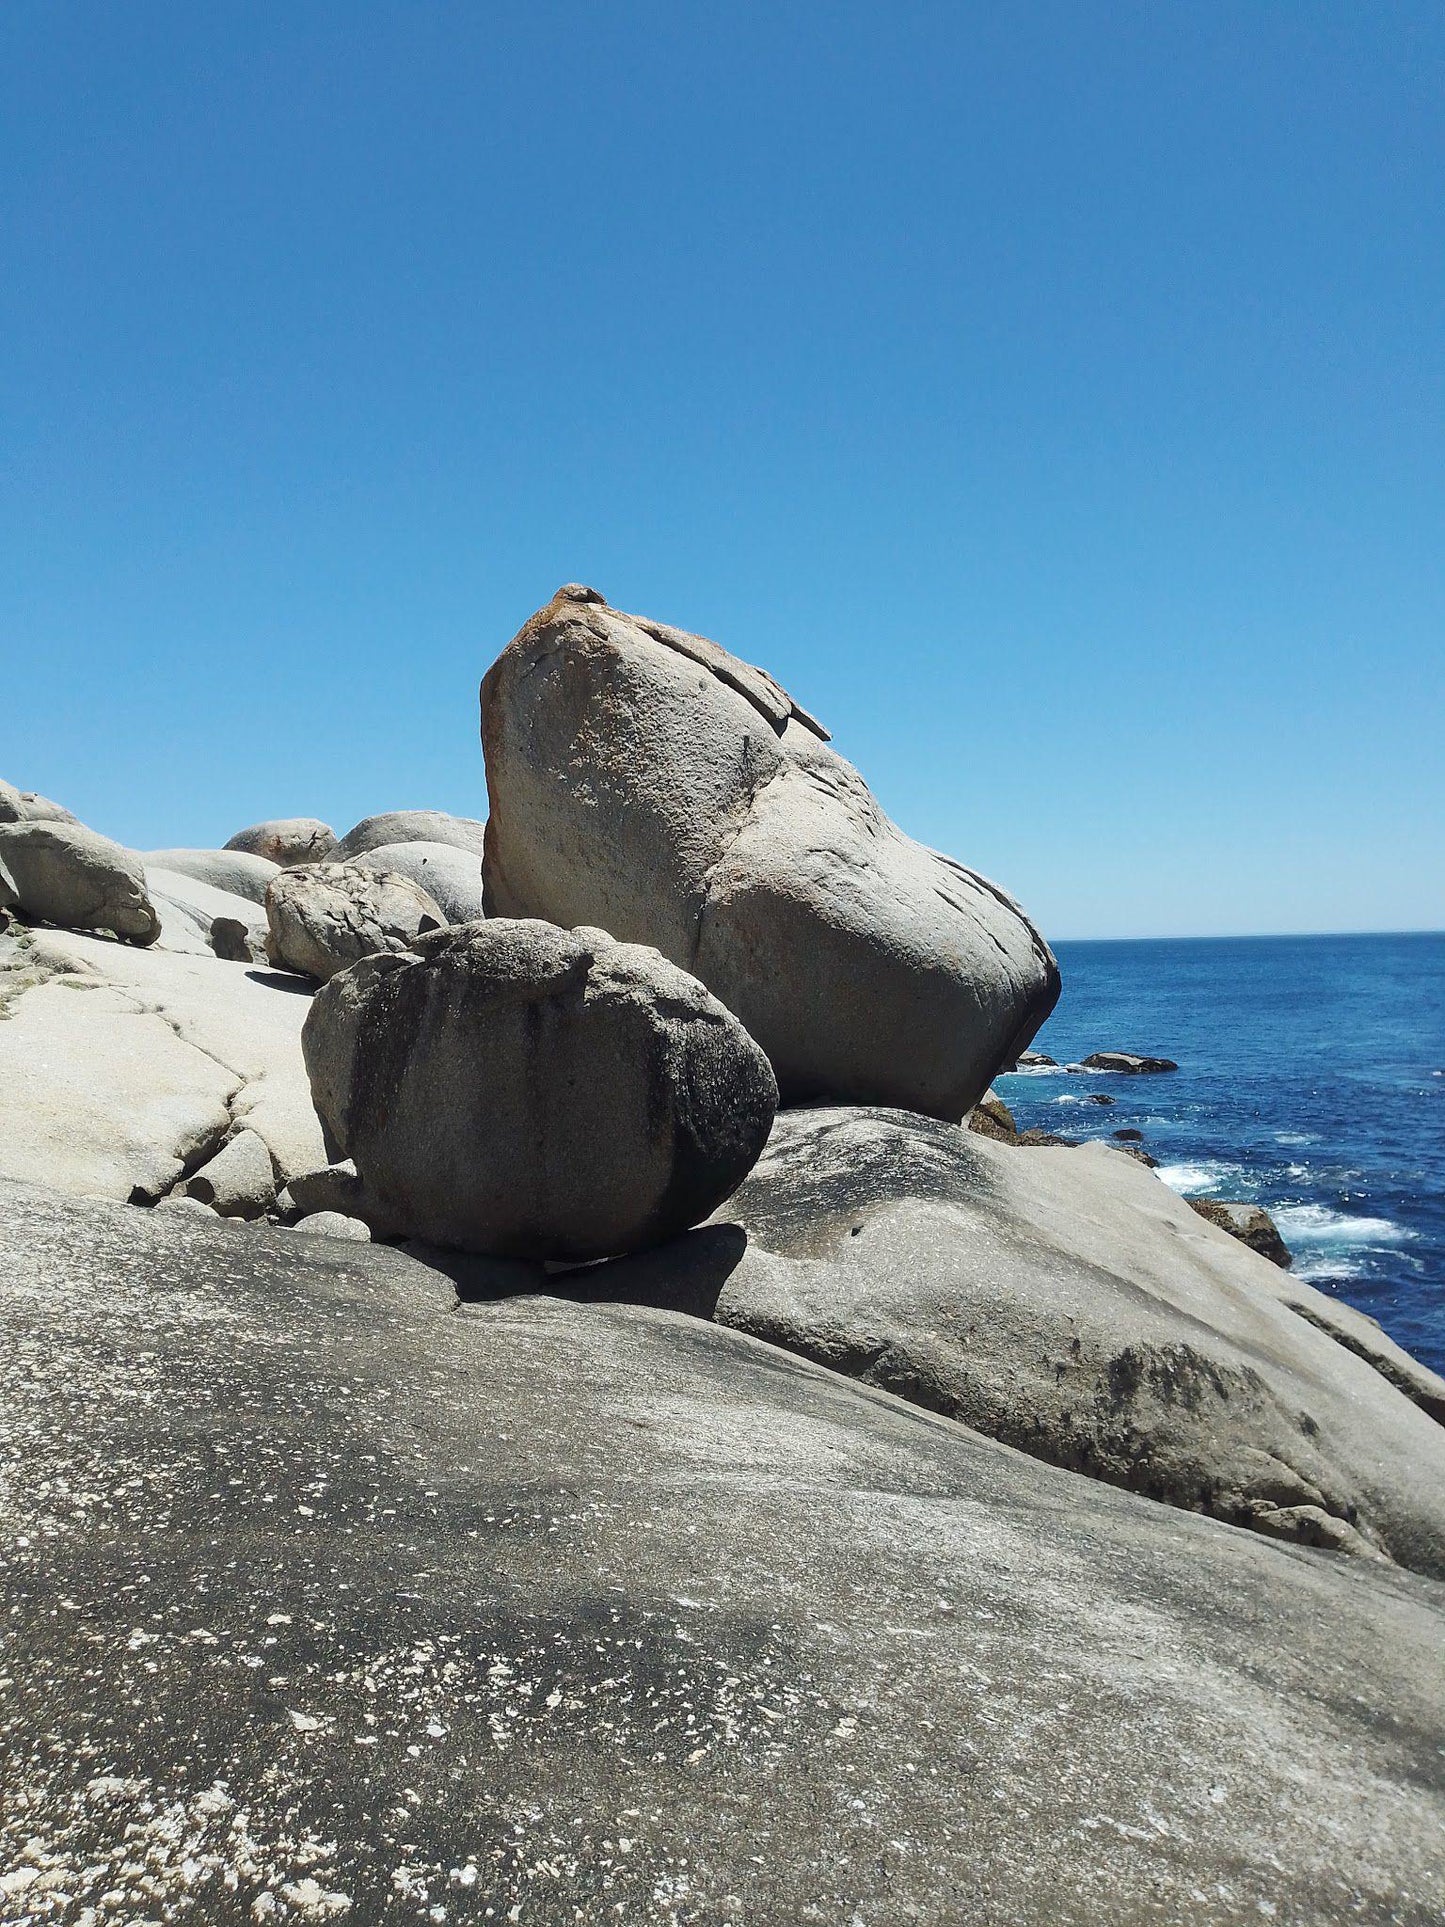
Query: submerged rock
[[512, 1088], [323, 917], [702, 1621], [644, 780], [1071, 1305], [65, 874], [1250, 1223], [1125, 1062]]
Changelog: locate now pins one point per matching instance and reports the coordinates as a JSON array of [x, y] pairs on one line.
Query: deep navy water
[[1311, 1080]]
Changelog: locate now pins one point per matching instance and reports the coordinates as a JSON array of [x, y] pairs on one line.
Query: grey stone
[[234, 940], [120, 1068], [239, 1181], [1071, 1305], [338, 1188], [325, 916], [1126, 1062], [25, 806], [516, 1089], [1250, 1223], [639, 1615], [237, 872], [645, 781], [452, 877], [65, 874], [1036, 1060], [333, 1224], [412, 826], [287, 841], [189, 910], [991, 1117]]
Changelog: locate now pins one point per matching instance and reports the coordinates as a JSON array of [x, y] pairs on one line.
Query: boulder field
[[541, 1385]]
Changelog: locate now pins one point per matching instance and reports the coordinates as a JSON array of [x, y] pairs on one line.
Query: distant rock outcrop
[[287, 841]]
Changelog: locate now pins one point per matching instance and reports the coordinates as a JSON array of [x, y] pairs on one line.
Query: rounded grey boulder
[[451, 875], [65, 874], [288, 840], [645, 780], [412, 826], [322, 917], [525, 1091]]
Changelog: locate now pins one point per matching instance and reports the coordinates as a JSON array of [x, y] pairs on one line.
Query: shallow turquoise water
[[1311, 1078]]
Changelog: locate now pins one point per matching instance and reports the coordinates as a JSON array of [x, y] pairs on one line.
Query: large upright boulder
[[287, 841], [1067, 1303], [412, 826], [65, 874], [323, 917], [645, 780], [516, 1089]]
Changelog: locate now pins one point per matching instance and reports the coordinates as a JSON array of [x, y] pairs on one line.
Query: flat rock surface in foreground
[[326, 1601]]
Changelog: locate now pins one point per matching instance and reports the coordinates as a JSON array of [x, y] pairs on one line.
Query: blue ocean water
[[1311, 1080]]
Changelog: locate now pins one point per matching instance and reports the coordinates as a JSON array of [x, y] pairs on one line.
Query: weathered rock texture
[[644, 780], [65, 874], [287, 841], [513, 1088], [122, 1069], [413, 826], [329, 1594], [325, 916], [1067, 1303], [449, 875], [190, 909]]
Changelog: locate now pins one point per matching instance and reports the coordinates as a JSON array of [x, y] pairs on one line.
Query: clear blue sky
[[1051, 396]]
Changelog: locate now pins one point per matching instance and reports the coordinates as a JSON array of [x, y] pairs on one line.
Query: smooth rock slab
[[608, 1606], [647, 782], [189, 910], [1066, 1302], [236, 872], [530, 1092], [221, 1027]]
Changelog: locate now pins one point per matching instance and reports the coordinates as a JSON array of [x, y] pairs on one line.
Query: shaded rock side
[[561, 1609], [323, 917], [645, 781], [1067, 1303], [512, 1088], [65, 874], [287, 841]]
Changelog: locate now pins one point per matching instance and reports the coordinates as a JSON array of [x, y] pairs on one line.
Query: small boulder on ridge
[[287, 841]]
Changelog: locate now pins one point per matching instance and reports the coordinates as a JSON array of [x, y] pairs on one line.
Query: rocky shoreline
[[697, 1459]]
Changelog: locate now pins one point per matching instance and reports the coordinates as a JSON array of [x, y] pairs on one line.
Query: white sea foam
[[1317, 1225], [1189, 1179], [1296, 1137]]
